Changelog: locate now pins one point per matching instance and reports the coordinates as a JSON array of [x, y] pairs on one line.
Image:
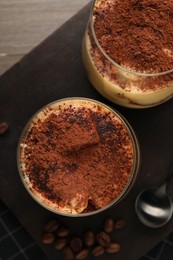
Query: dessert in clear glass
[[128, 51], [78, 157]]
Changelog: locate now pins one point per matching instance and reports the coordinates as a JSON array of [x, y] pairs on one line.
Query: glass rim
[[133, 174], [112, 61]]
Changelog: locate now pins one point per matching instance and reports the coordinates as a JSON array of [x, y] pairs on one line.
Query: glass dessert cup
[[119, 84], [23, 154]]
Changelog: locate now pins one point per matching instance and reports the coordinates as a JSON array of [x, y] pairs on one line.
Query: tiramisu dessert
[[128, 51], [77, 156]]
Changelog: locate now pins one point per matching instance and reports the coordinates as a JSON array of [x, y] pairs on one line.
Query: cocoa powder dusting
[[137, 34], [78, 158]]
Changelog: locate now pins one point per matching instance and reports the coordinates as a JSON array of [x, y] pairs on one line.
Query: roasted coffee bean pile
[[75, 247]]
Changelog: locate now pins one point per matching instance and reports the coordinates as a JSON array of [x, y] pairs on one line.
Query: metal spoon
[[154, 207]]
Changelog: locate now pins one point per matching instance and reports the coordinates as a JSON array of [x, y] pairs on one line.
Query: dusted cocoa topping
[[137, 34], [67, 128], [79, 158]]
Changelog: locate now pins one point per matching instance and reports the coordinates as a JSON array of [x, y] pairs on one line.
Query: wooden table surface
[[25, 23]]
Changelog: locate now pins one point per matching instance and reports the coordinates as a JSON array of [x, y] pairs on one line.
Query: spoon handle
[[169, 177], [162, 189], [170, 174]]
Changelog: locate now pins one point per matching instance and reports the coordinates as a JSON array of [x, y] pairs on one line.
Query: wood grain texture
[[25, 23]]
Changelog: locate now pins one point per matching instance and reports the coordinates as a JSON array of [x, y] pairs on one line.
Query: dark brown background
[[54, 70]]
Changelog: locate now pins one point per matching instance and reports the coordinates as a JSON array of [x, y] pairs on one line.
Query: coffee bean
[[82, 254], [103, 239], [113, 248], [3, 127], [108, 225], [52, 225], [89, 238], [119, 224], [48, 238], [98, 250], [76, 244], [60, 243], [57, 236], [68, 253], [62, 232]]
